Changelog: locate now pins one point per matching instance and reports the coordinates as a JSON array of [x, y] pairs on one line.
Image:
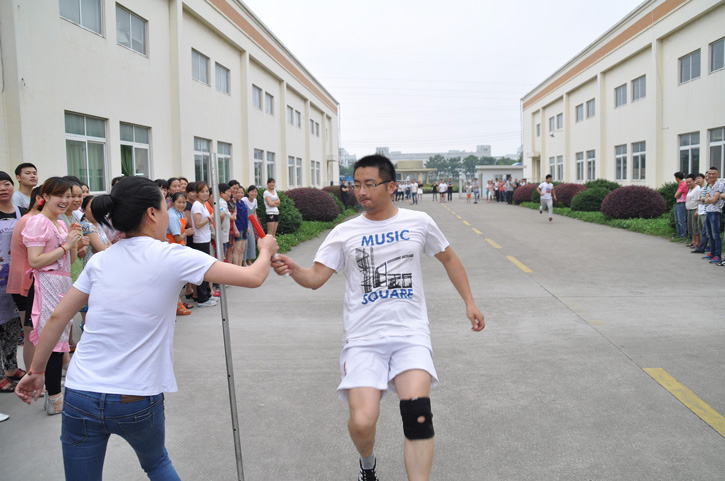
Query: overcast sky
[[434, 76]]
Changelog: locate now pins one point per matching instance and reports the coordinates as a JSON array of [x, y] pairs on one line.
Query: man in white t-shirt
[[386, 334], [442, 188], [546, 190], [27, 176]]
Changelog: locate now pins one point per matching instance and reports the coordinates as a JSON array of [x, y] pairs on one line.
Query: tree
[[437, 162], [488, 160], [454, 167], [469, 165]]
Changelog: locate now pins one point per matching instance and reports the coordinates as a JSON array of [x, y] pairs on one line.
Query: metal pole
[[225, 321]]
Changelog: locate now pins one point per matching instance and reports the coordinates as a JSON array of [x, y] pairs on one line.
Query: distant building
[[347, 160], [643, 101], [395, 156], [99, 89]]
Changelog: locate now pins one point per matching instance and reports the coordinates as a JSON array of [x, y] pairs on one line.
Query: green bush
[[589, 200], [290, 218], [602, 184], [668, 193], [339, 203]]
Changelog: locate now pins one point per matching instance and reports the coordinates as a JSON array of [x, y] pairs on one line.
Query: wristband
[[64, 253], [30, 373]]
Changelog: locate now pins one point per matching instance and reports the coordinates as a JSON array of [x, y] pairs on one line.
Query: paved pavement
[[554, 388]]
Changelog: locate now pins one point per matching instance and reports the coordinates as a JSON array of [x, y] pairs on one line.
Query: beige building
[[643, 101], [159, 88]]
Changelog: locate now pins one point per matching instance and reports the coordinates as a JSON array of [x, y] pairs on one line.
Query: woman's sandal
[[6, 385], [17, 375]]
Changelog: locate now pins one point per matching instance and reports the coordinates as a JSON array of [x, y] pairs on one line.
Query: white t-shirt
[[201, 234], [442, 188], [127, 344], [224, 207], [20, 200], [251, 207], [693, 196], [414, 188], [273, 198], [546, 188], [383, 282]]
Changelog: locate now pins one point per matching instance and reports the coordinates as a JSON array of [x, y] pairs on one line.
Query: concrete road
[[555, 387]]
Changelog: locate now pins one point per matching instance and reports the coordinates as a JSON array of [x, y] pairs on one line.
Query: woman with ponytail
[[52, 248], [124, 361]]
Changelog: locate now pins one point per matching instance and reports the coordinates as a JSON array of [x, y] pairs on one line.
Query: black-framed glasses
[[370, 185]]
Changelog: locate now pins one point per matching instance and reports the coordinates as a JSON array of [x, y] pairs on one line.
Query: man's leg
[[410, 385], [364, 411]]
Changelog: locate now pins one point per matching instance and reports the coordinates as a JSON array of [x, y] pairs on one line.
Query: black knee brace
[[411, 412]]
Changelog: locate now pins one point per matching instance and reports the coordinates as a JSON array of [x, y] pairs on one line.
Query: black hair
[[233, 182], [6, 177], [33, 194], [183, 178], [679, 175], [116, 180], [223, 187], [162, 184], [691, 176], [200, 186], [385, 166], [171, 179], [176, 195], [85, 201], [715, 169], [700, 174], [54, 186], [83, 183], [251, 188], [126, 205], [548, 176], [72, 179], [22, 166], [191, 187], [271, 179]]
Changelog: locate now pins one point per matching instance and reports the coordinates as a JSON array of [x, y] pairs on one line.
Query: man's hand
[[268, 244], [283, 265], [476, 318]]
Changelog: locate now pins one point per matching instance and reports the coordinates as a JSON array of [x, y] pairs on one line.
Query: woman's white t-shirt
[[251, 206], [201, 234], [383, 280], [127, 343], [272, 197]]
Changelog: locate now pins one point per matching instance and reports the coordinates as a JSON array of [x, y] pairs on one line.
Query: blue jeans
[[89, 419], [712, 225], [681, 219]]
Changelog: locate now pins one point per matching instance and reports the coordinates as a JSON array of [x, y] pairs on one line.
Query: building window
[[258, 160], [135, 150], [552, 166], [269, 103], [560, 167], [717, 55], [590, 108], [639, 160], [591, 164], [86, 13], [202, 156], [299, 172], [717, 149], [298, 119], [312, 172], [312, 127], [199, 67], [256, 97], [538, 130], [290, 115], [224, 161], [271, 174], [580, 166], [85, 149], [620, 156], [690, 152], [690, 66], [318, 173], [290, 171], [551, 124], [639, 88], [317, 129], [620, 95], [579, 112], [560, 121], [130, 30], [222, 78]]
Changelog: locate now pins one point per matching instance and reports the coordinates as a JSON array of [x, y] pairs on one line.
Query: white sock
[[369, 462]]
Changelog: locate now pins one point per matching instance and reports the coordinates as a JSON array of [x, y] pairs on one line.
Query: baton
[[260, 232]]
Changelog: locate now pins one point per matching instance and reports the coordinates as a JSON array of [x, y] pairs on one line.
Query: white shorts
[[375, 363]]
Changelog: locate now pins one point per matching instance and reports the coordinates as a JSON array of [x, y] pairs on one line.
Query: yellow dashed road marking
[[477, 231], [519, 264], [490, 241], [689, 399], [466, 223]]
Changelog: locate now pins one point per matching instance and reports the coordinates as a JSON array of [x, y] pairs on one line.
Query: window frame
[[689, 58], [591, 164], [620, 162], [552, 167], [538, 130], [620, 96], [290, 115], [639, 86], [219, 68], [136, 145], [559, 167], [258, 158], [269, 103], [552, 123], [299, 171], [270, 166], [579, 113], [224, 161], [559, 121], [712, 55], [298, 119], [639, 160], [257, 97], [80, 16], [291, 171], [196, 56], [692, 149], [202, 161], [89, 139], [579, 166], [593, 111], [131, 15]]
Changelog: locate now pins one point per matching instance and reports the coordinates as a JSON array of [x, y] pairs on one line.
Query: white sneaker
[[208, 303], [3, 417]]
